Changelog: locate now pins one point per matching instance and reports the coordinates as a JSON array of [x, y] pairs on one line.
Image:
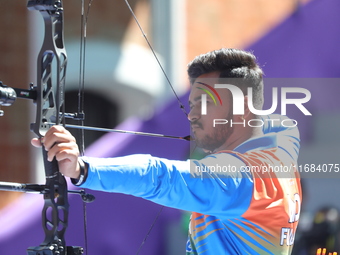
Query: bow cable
[[81, 92], [82, 59]]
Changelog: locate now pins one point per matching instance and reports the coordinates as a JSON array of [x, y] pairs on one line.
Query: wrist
[[82, 173]]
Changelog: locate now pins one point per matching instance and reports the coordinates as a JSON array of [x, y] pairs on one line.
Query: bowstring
[[84, 20], [181, 106], [150, 229], [81, 97]]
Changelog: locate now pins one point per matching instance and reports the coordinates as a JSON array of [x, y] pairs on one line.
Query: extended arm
[[168, 182]]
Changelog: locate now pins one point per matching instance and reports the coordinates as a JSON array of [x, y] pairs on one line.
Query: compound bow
[[48, 94]]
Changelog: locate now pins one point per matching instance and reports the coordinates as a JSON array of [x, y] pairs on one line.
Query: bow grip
[[51, 167]]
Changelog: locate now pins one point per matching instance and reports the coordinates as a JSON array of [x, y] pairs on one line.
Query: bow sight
[[8, 95]]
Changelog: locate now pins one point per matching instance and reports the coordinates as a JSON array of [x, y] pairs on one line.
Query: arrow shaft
[[187, 138]]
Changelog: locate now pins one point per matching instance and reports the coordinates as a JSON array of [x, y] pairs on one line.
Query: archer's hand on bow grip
[[61, 146]]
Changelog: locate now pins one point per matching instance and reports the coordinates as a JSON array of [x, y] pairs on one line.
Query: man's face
[[206, 135]]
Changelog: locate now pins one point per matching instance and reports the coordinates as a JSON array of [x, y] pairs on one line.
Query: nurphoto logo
[[238, 103]]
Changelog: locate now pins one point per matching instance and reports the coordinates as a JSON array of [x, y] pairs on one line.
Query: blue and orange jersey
[[245, 201], [265, 224]]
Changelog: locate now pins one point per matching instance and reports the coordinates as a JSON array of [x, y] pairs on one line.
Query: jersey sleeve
[[187, 185]]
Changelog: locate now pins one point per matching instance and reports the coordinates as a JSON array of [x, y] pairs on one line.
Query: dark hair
[[239, 65]]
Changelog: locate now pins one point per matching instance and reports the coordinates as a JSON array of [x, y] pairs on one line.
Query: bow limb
[[51, 71]]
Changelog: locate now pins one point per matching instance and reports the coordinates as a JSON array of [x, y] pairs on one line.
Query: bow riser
[[52, 56], [51, 71]]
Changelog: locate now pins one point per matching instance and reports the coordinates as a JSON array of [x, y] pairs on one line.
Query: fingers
[[67, 157], [61, 145], [57, 135], [61, 151], [36, 142]]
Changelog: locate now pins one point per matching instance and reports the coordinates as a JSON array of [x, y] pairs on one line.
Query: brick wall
[[14, 142]]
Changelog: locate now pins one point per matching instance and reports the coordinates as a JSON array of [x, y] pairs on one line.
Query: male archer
[[243, 202]]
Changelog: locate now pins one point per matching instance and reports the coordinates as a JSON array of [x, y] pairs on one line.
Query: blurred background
[[125, 88]]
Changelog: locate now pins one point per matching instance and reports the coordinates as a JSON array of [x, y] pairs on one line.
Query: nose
[[194, 114]]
